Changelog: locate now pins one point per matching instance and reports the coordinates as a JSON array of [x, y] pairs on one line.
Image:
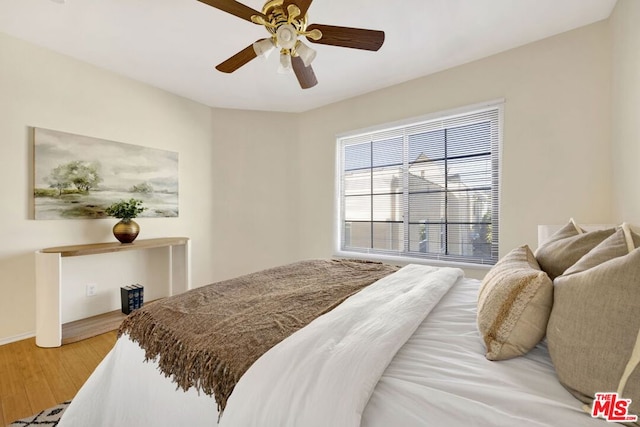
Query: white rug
[[48, 417]]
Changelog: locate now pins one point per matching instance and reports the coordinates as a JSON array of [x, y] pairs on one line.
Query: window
[[428, 189]]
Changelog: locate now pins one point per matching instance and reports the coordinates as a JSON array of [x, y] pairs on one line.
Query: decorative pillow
[[594, 329], [513, 305], [620, 243], [566, 247]]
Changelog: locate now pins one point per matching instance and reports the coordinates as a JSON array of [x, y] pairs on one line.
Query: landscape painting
[[79, 176]]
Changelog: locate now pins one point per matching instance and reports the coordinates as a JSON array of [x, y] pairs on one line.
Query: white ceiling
[[175, 44]]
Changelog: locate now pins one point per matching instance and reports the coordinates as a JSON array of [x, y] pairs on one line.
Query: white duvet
[[324, 374], [439, 377]]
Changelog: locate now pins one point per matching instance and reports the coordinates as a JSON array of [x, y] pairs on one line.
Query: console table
[[50, 332]]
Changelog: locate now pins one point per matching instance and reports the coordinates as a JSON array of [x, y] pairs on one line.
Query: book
[[141, 294], [136, 296], [126, 299]]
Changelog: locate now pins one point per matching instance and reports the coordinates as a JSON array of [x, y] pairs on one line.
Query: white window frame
[[405, 257]]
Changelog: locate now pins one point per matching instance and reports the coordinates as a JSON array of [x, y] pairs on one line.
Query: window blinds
[[427, 189]]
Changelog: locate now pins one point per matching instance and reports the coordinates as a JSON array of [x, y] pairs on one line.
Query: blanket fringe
[[199, 369]]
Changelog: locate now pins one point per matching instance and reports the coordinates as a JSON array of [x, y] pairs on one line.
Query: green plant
[[125, 210]]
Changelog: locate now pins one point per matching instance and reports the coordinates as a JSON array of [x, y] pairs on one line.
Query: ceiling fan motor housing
[[284, 28], [277, 15]]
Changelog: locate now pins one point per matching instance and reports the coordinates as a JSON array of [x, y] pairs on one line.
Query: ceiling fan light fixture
[[286, 36], [264, 47], [285, 63], [305, 53]]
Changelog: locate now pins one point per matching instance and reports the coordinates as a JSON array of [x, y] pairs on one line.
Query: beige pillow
[[620, 243], [514, 303], [565, 247], [595, 323]]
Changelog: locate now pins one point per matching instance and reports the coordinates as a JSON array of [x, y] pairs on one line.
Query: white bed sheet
[[440, 377]]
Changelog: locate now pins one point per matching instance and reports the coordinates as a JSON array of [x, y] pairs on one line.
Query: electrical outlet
[[92, 289]]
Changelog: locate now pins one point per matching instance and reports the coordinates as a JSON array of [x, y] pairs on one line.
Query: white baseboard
[[15, 338]]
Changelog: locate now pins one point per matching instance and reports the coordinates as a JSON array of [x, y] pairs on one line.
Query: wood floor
[[33, 378]]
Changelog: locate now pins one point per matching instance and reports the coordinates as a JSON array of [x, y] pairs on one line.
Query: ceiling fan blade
[[355, 38], [233, 7], [238, 60], [306, 76], [303, 5]]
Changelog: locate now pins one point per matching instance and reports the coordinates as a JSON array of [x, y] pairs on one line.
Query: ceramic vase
[[126, 230]]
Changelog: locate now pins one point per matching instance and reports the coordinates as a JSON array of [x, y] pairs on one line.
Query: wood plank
[[102, 248], [17, 406], [11, 371], [75, 364], [36, 387], [58, 379], [39, 394], [91, 326], [102, 344], [25, 364], [6, 385]]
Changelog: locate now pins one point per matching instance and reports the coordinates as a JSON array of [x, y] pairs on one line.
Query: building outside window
[[425, 189]]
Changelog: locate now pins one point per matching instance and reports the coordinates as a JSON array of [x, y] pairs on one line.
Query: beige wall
[[556, 159], [625, 110], [42, 89], [255, 202]]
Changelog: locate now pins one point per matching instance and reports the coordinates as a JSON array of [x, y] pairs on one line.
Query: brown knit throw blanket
[[209, 336]]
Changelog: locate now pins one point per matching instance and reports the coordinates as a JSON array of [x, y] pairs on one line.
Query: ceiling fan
[[286, 21]]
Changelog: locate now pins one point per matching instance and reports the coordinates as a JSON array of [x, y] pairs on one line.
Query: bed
[[434, 372]]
